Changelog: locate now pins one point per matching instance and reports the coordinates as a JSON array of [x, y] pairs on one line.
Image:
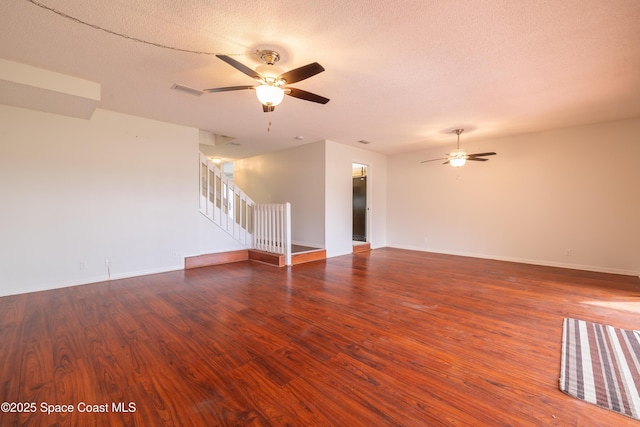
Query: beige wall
[[572, 189], [294, 175]]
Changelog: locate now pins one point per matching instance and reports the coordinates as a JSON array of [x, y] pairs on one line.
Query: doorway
[[359, 176]]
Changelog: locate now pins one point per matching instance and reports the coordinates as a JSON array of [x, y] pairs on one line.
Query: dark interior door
[[360, 209]]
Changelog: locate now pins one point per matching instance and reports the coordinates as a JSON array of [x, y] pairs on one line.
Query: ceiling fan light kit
[[459, 157], [270, 94], [271, 90]]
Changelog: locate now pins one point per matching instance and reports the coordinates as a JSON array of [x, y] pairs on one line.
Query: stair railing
[[273, 229], [262, 227], [224, 203]]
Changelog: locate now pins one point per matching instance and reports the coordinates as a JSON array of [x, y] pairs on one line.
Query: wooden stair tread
[[254, 255], [267, 257], [207, 260], [308, 256], [296, 258]]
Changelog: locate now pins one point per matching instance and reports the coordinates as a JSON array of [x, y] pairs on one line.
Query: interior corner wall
[[339, 197], [295, 175], [75, 193], [566, 197]]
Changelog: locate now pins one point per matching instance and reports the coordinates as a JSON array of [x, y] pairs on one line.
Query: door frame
[[367, 219]]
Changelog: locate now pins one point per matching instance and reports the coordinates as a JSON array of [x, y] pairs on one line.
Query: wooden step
[[253, 255], [361, 247], [267, 257], [308, 256], [296, 258], [215, 259]]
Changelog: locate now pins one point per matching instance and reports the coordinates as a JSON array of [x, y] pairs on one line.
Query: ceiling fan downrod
[[458, 132]]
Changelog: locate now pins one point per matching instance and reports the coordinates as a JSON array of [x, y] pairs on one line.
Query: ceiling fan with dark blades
[[459, 157], [272, 87]]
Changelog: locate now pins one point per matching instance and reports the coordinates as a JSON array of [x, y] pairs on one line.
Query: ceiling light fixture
[[458, 157], [269, 94]]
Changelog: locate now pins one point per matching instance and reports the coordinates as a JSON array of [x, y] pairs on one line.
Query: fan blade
[[307, 96], [301, 73], [226, 89], [240, 67], [446, 163], [268, 108], [434, 160], [477, 159], [482, 154]]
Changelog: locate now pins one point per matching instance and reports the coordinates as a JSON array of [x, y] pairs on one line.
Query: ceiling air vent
[[187, 89]]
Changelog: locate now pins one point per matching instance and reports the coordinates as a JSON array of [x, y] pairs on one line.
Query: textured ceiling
[[400, 74]]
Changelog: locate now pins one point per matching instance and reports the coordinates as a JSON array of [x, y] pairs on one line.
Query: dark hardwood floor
[[387, 337]]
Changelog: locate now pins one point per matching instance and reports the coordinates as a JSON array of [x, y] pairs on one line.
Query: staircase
[[264, 229], [224, 203]]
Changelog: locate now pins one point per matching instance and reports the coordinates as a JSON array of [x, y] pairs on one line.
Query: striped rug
[[601, 365]]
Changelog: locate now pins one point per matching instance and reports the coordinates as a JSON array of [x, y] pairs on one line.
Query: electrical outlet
[[107, 262], [568, 252], [83, 265]]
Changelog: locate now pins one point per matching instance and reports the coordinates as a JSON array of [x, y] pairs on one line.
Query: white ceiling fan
[[459, 157]]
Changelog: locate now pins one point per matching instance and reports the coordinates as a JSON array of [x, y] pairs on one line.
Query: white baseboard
[[597, 269], [90, 280]]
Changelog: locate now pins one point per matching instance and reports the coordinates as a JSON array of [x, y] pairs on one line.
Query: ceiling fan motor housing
[[269, 57]]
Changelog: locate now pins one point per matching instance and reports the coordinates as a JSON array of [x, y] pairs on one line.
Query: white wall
[[316, 179], [339, 197], [75, 192], [544, 193], [213, 239], [294, 175]]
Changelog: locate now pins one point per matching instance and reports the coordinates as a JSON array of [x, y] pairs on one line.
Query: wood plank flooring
[[387, 337]]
